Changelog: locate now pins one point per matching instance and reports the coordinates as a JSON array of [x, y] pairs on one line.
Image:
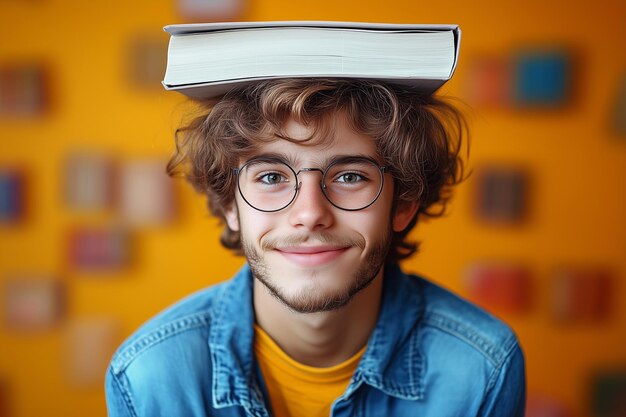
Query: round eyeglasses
[[351, 183]]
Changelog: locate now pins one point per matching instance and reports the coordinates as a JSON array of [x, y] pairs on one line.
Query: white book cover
[[208, 59]]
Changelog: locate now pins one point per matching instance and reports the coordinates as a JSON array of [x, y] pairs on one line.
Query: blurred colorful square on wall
[[89, 181], [545, 406], [489, 81], [619, 109], [543, 78], [4, 397], [609, 394], [147, 58], [582, 294], [33, 302], [499, 287], [23, 90], [89, 345], [12, 195], [99, 248], [501, 194], [211, 10], [146, 194]]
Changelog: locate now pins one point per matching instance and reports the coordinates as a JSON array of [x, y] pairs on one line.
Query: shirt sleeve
[[117, 397], [506, 395]]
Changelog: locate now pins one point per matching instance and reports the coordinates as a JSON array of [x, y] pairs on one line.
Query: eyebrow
[[293, 160]]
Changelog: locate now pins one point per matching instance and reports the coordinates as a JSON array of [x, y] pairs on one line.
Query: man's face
[[311, 255]]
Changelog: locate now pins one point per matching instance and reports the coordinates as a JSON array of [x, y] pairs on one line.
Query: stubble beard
[[313, 298]]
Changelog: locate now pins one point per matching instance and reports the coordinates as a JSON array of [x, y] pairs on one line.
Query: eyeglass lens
[[269, 185]]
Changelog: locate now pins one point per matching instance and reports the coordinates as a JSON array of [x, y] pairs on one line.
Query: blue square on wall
[[542, 78], [11, 196]]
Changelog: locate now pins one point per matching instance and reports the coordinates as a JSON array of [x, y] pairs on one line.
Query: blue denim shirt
[[431, 354]]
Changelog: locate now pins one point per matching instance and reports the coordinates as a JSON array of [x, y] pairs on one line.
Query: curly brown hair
[[419, 136]]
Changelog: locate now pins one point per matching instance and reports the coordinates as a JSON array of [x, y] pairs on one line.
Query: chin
[[315, 288], [316, 291], [315, 300]]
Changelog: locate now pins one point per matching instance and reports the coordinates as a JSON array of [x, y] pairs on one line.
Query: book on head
[[207, 60]]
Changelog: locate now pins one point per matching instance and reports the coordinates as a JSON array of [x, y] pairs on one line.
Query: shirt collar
[[230, 341], [392, 361]]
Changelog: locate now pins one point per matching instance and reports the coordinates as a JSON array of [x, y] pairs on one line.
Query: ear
[[232, 217], [403, 215]]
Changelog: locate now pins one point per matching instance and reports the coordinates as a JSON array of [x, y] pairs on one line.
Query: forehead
[[342, 140]]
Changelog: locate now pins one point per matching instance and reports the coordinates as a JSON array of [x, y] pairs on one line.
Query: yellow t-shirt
[[298, 390]]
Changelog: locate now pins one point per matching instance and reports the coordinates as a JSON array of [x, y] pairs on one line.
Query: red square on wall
[[32, 303], [99, 248], [582, 294], [499, 287], [489, 81]]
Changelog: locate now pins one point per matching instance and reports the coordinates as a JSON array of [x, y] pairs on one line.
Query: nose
[[310, 210]]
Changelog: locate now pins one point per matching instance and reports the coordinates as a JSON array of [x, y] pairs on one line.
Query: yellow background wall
[[578, 202]]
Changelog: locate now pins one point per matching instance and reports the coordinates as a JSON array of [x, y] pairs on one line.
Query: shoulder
[[187, 319], [170, 347], [165, 367], [480, 354], [448, 322], [467, 352], [452, 316]]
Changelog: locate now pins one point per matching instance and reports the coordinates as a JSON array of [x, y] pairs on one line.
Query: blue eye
[[350, 177], [272, 178]]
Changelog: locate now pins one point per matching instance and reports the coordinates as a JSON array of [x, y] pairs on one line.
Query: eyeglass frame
[[382, 169]]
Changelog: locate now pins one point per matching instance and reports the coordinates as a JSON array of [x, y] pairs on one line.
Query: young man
[[318, 182]]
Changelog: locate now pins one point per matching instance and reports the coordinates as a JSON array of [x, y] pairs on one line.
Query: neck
[[320, 339]]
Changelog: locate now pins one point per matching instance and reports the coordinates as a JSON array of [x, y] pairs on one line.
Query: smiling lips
[[311, 255]]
